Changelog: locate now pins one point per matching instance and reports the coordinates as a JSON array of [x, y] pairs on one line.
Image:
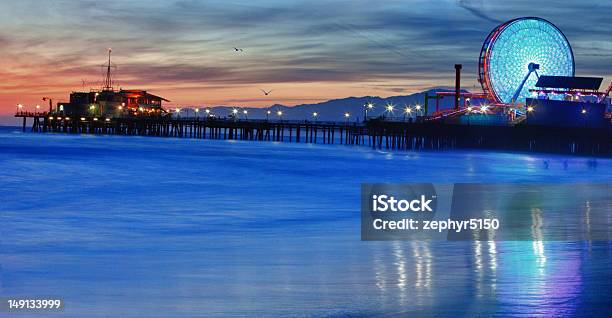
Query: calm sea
[[164, 227]]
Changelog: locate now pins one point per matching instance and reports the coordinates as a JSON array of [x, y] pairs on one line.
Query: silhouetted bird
[[266, 93], [238, 49]]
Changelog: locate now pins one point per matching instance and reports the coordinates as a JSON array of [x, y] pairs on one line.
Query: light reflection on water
[[153, 227], [522, 282]]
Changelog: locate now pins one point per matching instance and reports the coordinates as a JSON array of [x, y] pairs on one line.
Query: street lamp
[[390, 108], [407, 111], [268, 112], [197, 111], [245, 112], [368, 107], [314, 115], [347, 116], [418, 108], [280, 114]]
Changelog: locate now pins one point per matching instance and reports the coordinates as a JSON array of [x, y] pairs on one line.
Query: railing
[[30, 114]]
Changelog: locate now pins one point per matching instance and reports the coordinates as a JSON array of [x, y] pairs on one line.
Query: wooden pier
[[374, 133]]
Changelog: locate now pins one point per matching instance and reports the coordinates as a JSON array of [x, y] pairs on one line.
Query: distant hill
[[331, 110], [334, 110]]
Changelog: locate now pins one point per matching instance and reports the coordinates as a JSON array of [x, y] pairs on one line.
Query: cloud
[[185, 47], [474, 7]]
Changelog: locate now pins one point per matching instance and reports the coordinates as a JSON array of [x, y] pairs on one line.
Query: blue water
[[164, 227]]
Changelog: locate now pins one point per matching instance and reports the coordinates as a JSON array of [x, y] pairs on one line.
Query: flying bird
[[266, 92], [238, 49]]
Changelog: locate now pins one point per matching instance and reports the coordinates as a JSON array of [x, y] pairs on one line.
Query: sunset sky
[[305, 51]]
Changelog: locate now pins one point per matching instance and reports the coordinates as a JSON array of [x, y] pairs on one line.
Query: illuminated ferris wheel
[[516, 52]]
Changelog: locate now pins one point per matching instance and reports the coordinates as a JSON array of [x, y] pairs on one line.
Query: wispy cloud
[[305, 50]]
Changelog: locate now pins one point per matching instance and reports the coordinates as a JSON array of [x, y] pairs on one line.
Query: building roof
[[569, 82], [142, 92], [159, 97]]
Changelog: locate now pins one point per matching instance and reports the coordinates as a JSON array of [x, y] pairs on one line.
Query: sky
[[304, 51]]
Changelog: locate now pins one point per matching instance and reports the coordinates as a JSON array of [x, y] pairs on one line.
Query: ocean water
[[165, 227]]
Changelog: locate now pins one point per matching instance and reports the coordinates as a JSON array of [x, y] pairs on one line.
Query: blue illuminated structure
[[514, 50]]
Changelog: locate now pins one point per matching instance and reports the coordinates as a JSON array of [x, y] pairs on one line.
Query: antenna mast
[[108, 83]]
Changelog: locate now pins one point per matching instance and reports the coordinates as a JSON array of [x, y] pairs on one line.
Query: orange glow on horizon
[[29, 90]]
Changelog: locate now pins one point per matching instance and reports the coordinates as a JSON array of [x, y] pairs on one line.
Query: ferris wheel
[[516, 52]]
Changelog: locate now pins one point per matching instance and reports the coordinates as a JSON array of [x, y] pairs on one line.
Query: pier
[[378, 134]]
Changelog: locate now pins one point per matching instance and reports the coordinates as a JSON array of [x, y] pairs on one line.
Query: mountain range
[[331, 110], [335, 109]]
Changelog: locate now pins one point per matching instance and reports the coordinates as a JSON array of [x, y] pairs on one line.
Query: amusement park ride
[[525, 63]]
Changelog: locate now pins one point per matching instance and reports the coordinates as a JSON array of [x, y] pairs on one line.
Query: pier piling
[[376, 134]]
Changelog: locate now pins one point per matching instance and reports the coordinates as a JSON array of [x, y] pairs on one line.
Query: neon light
[[510, 48]]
